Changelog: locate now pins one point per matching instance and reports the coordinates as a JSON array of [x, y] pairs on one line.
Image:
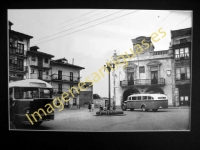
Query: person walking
[[89, 107], [92, 106]]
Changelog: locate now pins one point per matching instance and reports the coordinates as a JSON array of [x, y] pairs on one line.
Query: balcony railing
[[18, 68], [65, 78], [18, 52], [39, 64], [41, 77], [142, 82], [60, 91]]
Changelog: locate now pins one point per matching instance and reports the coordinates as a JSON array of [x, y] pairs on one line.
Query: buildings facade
[[65, 76], [181, 44], [39, 66], [19, 45], [148, 72]]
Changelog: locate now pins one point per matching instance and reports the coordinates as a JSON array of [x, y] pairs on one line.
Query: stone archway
[[129, 92], [154, 89]]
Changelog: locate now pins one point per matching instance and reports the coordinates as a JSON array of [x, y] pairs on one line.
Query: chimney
[[72, 61]]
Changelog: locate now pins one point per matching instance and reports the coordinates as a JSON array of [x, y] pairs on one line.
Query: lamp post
[[109, 66]]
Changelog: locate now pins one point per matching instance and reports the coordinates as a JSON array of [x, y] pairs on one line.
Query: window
[[74, 101], [32, 70], [133, 98], [142, 69], [139, 98], [183, 73], [33, 58], [60, 87], [149, 97], [144, 97], [46, 60], [20, 63], [20, 48], [182, 53], [129, 98], [71, 76], [47, 72]]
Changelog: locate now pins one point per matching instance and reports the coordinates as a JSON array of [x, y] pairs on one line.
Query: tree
[[96, 96]]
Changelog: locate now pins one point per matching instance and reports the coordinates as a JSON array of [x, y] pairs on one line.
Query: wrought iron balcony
[[65, 78], [142, 82], [17, 51], [39, 64], [41, 77], [61, 91], [18, 68]]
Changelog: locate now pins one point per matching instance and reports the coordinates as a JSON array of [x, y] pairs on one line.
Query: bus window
[[149, 97], [144, 97], [129, 98], [45, 93], [139, 98], [134, 98]]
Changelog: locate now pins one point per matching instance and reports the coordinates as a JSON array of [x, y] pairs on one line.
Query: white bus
[[145, 102]]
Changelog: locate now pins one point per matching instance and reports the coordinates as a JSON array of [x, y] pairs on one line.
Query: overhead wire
[[78, 17], [81, 25], [86, 18], [88, 27]]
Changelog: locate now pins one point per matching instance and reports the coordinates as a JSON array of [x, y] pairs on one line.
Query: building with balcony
[[39, 64], [148, 72], [19, 44], [181, 45], [64, 76]]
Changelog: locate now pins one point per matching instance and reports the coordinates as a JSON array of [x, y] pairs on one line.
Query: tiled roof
[[20, 34]]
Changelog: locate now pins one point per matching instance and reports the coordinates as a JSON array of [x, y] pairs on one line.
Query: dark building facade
[[19, 44], [181, 45]]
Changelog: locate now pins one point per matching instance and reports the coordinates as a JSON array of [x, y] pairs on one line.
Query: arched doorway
[[154, 89], [129, 92]]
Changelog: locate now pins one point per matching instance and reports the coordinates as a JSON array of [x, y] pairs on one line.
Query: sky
[[90, 36]]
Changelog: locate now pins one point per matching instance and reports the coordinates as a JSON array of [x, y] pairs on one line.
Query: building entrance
[[184, 95], [129, 92]]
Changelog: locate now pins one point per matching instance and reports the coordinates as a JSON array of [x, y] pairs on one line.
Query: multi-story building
[[181, 44], [39, 64], [19, 44], [64, 76], [148, 72]]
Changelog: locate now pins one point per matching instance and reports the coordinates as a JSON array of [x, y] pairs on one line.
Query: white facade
[[152, 76]]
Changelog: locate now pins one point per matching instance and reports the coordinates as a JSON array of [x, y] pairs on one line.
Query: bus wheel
[[38, 123], [143, 108], [132, 109], [154, 109]]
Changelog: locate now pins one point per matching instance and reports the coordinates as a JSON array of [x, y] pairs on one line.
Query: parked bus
[[26, 97], [145, 102]]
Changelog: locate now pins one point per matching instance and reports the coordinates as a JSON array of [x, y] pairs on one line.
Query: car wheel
[[154, 109], [132, 109], [143, 108]]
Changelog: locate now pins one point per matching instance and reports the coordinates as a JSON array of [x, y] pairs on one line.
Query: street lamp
[[109, 66]]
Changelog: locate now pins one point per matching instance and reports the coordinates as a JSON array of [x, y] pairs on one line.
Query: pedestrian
[[100, 109], [108, 109], [89, 107], [92, 106]]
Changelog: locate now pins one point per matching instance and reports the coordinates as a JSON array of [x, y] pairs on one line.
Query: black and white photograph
[[99, 70]]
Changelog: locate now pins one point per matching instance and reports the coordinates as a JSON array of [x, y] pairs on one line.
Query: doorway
[[154, 77]]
